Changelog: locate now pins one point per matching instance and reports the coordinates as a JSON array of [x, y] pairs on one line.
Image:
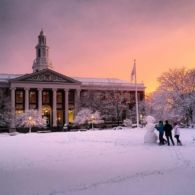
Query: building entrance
[[46, 112]]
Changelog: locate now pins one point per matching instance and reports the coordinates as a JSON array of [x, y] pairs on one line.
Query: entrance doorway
[[46, 112]]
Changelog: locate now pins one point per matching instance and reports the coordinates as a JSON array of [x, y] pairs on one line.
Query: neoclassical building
[[56, 96]]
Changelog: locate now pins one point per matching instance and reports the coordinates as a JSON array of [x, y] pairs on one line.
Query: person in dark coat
[[168, 132], [160, 129]]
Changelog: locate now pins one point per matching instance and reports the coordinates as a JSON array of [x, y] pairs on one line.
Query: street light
[[141, 119], [30, 123], [92, 120]]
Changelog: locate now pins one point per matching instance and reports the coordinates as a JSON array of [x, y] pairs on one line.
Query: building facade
[[59, 97]]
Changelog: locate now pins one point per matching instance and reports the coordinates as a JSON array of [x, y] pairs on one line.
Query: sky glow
[[99, 38]]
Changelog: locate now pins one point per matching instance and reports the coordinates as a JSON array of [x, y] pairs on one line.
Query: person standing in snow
[[177, 133], [160, 129], [168, 132]]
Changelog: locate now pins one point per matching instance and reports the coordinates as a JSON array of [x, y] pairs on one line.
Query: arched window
[[39, 52]]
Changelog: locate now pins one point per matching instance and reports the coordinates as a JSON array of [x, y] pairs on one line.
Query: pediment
[[46, 75]]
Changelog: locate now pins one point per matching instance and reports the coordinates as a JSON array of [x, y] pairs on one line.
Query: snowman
[[150, 136]]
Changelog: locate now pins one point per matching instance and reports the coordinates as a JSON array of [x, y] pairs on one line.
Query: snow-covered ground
[[104, 162]]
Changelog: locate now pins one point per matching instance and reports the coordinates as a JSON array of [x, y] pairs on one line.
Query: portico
[[55, 96]]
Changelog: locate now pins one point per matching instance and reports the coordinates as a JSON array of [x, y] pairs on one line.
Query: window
[[59, 97], [39, 52], [33, 97], [46, 97], [19, 101], [60, 109], [59, 106], [19, 107], [71, 96], [19, 97]]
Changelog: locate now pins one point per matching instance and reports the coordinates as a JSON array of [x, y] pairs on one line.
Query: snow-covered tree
[[83, 116], [2, 121], [142, 112], [96, 118], [87, 116], [5, 114], [113, 105], [30, 118], [127, 122], [179, 85], [157, 104], [175, 97]]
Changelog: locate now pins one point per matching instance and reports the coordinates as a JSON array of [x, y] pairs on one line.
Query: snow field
[[105, 162]]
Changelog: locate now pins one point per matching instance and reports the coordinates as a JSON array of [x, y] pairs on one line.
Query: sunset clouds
[[99, 38]]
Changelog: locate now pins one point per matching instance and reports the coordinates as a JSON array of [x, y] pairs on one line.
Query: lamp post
[[92, 120], [30, 123], [141, 119]]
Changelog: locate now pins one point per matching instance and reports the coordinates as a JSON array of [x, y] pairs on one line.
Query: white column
[[26, 99], [13, 109], [40, 100], [54, 108], [66, 106], [77, 101]]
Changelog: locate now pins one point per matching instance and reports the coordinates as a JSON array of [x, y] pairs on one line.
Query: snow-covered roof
[[5, 77], [107, 83], [87, 82], [99, 80]]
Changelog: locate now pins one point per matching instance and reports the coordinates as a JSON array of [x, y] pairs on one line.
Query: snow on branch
[[86, 115], [30, 118]]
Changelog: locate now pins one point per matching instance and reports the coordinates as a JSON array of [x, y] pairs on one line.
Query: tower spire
[[42, 54]]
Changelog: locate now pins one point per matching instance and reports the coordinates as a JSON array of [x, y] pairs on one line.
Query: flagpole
[[136, 96]]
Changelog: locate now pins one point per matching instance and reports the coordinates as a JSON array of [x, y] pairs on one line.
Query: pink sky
[[100, 38]]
